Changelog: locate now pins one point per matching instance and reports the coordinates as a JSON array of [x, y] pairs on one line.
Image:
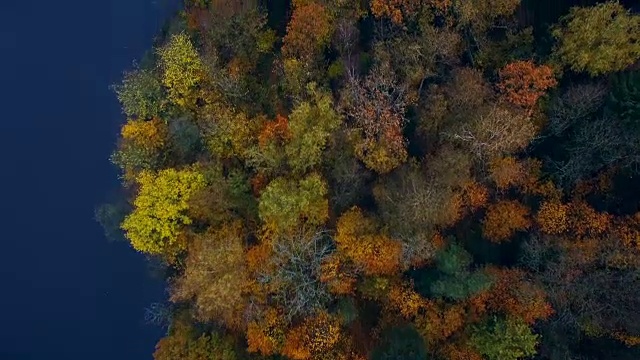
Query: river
[[66, 293]]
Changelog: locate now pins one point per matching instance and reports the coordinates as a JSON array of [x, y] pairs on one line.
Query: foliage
[[308, 31], [185, 140], [504, 219], [515, 295], [358, 238], [496, 131], [518, 44], [456, 281], [404, 299], [402, 342], [227, 133], [183, 343], [315, 336], [140, 147], [141, 94], [552, 217], [149, 135], [623, 102], [285, 204], [215, 275], [310, 126], [182, 69], [338, 275], [377, 104], [523, 83], [482, 14], [397, 10], [266, 335], [504, 339], [160, 209], [414, 203], [599, 39], [506, 171]]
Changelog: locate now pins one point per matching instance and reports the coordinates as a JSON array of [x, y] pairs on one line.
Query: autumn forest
[[387, 179]]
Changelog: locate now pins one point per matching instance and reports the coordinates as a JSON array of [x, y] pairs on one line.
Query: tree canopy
[[388, 179], [600, 39]]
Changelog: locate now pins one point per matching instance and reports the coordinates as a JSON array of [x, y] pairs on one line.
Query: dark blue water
[[65, 292]]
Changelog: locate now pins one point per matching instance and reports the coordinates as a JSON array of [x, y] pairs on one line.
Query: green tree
[[110, 215], [623, 102], [456, 281], [239, 33], [285, 204], [311, 125], [599, 39], [141, 94], [401, 343], [504, 339], [160, 209], [481, 15], [183, 343], [182, 69], [184, 140], [227, 133]]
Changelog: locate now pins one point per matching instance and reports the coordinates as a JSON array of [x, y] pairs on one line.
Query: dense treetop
[[388, 179]]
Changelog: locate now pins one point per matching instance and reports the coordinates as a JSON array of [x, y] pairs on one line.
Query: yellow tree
[[149, 135], [182, 69], [160, 208], [316, 335], [358, 238], [140, 147]]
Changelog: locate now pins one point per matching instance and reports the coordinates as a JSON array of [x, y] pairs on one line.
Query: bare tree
[[377, 105], [595, 144], [295, 278], [376, 102], [498, 130], [346, 38], [577, 102]]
